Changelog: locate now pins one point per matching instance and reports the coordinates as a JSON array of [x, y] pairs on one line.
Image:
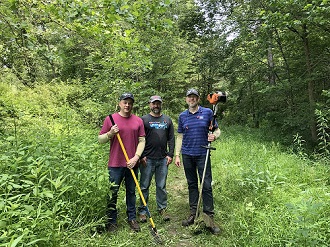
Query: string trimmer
[[214, 99], [153, 229]]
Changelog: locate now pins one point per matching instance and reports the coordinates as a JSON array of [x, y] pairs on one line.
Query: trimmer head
[[201, 224], [198, 227]]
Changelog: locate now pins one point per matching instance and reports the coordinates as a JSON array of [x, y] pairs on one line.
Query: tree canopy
[[271, 56]]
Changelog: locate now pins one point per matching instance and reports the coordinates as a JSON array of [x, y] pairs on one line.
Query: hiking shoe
[[164, 215], [210, 225], [134, 225], [215, 230], [143, 218], [112, 227], [189, 221]]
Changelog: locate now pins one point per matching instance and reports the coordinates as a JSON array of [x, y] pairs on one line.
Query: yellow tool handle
[[134, 177]]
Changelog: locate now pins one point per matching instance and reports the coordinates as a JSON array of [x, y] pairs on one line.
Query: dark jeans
[[194, 165], [116, 176]]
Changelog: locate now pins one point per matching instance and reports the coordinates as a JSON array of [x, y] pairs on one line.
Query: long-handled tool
[[214, 99], [153, 229]]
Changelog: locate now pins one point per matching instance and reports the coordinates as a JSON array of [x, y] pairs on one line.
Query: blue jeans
[[193, 166], [160, 169], [116, 176]]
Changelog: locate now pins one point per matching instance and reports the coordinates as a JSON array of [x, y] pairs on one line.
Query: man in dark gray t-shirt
[[157, 155]]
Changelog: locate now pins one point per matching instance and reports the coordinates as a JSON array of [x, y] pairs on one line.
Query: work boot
[[210, 225], [112, 227], [134, 225], [143, 218], [215, 230], [164, 215], [189, 221]]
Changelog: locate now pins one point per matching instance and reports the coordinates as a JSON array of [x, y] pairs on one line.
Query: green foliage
[[299, 146], [47, 156], [54, 181], [76, 57], [270, 57], [323, 128], [308, 218], [323, 133], [266, 197]]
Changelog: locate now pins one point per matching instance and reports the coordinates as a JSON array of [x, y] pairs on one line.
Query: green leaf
[[58, 182], [48, 193], [29, 208], [3, 224], [10, 138], [16, 241]]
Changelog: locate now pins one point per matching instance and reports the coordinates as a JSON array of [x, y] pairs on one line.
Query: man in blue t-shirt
[[193, 134]]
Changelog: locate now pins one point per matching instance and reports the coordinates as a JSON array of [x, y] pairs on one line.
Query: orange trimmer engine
[[217, 97]]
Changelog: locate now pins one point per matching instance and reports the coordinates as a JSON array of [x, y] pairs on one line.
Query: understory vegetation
[[54, 183], [63, 65]]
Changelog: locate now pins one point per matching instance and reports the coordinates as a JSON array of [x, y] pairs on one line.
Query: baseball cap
[[155, 98], [192, 91], [126, 96]]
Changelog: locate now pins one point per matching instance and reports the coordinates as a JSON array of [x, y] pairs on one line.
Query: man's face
[[192, 100], [155, 106], [126, 105]]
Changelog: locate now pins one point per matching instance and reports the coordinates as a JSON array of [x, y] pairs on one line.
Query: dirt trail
[[178, 208]]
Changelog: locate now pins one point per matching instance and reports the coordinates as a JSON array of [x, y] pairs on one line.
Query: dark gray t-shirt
[[159, 136]]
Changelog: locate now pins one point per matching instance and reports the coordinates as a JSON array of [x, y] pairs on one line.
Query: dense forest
[[63, 65], [272, 57]]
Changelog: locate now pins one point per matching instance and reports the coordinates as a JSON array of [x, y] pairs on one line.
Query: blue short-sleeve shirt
[[195, 129]]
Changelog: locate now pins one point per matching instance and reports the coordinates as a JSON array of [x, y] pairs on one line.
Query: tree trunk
[[311, 97], [270, 61]]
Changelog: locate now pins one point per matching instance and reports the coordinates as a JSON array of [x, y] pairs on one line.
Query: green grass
[[54, 193], [263, 197], [54, 181]]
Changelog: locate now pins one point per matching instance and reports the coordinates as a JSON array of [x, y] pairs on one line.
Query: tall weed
[[323, 130], [263, 195], [53, 176], [54, 183]]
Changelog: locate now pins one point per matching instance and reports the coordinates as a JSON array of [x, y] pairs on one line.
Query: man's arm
[[104, 138], [178, 149], [171, 140], [141, 145]]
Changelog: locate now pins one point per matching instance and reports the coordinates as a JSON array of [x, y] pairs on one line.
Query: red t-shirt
[[130, 129]]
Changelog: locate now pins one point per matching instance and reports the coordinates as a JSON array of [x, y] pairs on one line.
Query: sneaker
[[189, 221], [164, 215], [143, 218], [112, 227], [134, 225]]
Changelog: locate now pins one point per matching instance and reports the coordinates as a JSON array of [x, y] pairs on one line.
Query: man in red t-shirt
[[132, 133]]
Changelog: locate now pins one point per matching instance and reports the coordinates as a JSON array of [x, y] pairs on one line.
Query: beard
[[156, 110]]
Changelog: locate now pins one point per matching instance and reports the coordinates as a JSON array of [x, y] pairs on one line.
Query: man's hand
[[113, 131], [211, 137], [169, 160], [177, 161], [144, 161], [132, 162]]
